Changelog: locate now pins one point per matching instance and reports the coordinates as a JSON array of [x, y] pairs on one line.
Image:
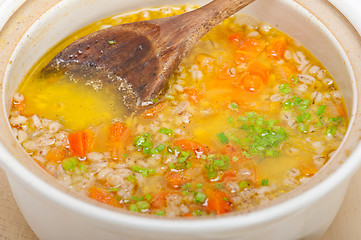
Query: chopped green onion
[[70, 163], [161, 213], [199, 185], [285, 88], [331, 131], [160, 148], [113, 189], [143, 205], [200, 197], [222, 138], [111, 42], [133, 208], [233, 106], [166, 131], [320, 110], [265, 182], [131, 178], [244, 184]]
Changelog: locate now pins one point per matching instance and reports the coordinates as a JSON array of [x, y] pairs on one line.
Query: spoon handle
[[191, 26]]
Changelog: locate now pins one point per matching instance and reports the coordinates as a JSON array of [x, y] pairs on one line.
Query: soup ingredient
[[248, 116], [138, 58]]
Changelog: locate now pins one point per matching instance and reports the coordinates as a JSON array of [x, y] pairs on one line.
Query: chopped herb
[[70, 163], [219, 185], [199, 213], [211, 171], [285, 88], [265, 182], [113, 189], [161, 213], [144, 171], [148, 197], [200, 197], [233, 106], [131, 178], [230, 120], [166, 131], [199, 185], [299, 119], [155, 100], [336, 120], [143, 205], [111, 42], [320, 110], [133, 208], [331, 131], [125, 155], [305, 104], [244, 184], [303, 128], [222, 138]]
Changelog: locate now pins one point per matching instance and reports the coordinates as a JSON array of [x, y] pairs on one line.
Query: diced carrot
[[259, 69], [81, 142], [159, 199], [235, 38], [229, 176], [117, 132], [189, 145], [188, 215], [340, 109], [19, 106], [102, 196], [176, 180], [251, 83], [218, 202], [249, 49], [193, 95], [277, 47], [56, 154], [152, 112]]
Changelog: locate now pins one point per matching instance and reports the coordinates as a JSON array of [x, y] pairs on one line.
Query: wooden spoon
[[138, 58]]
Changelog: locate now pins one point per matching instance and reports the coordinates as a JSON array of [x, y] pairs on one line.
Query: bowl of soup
[[255, 137]]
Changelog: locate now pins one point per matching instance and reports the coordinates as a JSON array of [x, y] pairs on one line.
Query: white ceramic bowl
[[55, 212]]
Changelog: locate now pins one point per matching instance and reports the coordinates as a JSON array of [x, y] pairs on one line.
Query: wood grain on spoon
[[138, 58]]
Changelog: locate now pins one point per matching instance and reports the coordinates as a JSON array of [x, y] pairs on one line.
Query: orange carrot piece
[[102, 196], [251, 83], [152, 112], [229, 176], [189, 145], [19, 106], [218, 202], [277, 47], [118, 131], [56, 154], [188, 215], [176, 180], [259, 69], [193, 95], [235, 39], [340, 109], [80, 142], [159, 199], [249, 49]]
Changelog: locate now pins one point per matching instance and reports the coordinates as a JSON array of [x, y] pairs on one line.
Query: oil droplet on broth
[[77, 105]]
